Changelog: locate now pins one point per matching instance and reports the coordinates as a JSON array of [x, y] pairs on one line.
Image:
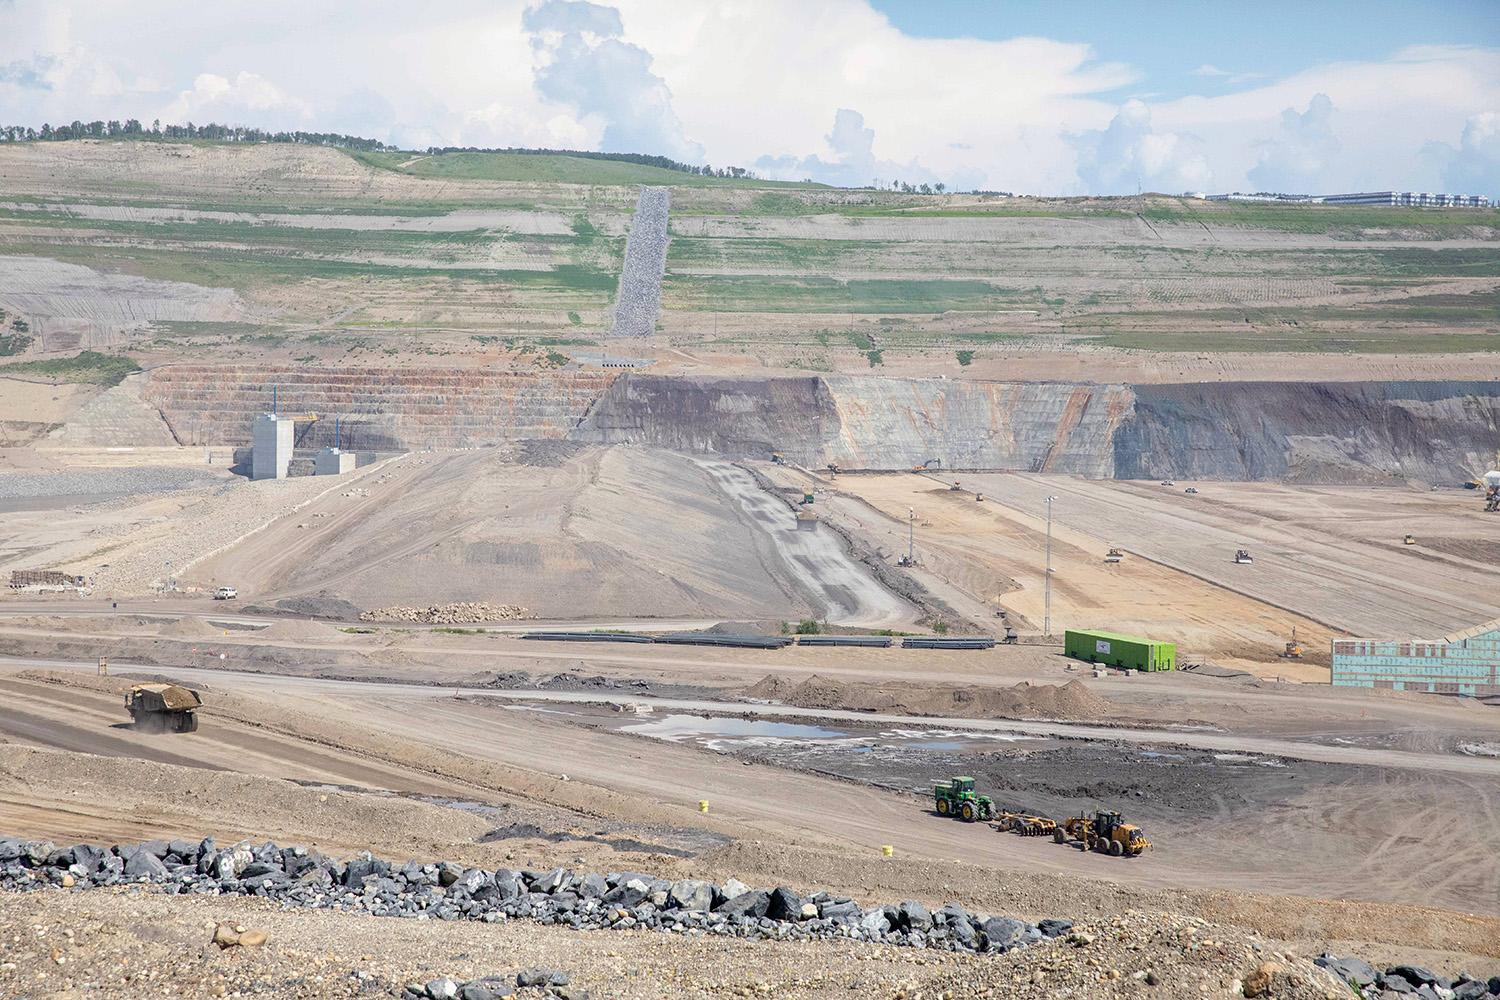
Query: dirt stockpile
[[192, 628], [461, 613], [1072, 701]]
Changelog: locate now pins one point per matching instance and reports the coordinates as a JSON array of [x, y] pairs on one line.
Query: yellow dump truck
[[163, 708]]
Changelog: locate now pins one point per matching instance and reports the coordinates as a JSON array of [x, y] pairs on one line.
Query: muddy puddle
[[727, 734]]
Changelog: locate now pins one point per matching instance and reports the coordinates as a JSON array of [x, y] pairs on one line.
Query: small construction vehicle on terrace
[[163, 708], [957, 798], [1104, 832], [1114, 555], [1242, 557]]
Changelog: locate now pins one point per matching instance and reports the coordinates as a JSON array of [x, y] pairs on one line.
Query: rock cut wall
[[1355, 432], [1311, 431], [376, 409]]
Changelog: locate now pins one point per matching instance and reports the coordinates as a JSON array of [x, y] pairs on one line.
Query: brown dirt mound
[[192, 628], [1072, 701], [296, 630]]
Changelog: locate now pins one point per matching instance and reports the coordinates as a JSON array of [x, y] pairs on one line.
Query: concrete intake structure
[[271, 456], [1312, 432], [334, 462]]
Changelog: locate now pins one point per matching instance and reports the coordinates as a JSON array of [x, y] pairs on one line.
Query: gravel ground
[[133, 943], [138, 560], [103, 482]]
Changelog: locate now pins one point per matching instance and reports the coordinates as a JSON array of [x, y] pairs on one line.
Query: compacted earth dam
[[1354, 432]]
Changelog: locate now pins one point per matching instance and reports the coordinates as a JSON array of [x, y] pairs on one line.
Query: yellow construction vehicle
[[1104, 832], [1409, 540], [163, 708], [1293, 650]]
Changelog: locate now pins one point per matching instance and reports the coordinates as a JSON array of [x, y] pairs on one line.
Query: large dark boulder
[[1349, 970], [913, 916], [1002, 933], [144, 863], [362, 867], [627, 895], [755, 903], [784, 904], [1417, 975]]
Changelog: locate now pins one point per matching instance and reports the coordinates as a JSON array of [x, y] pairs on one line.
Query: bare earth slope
[[621, 532]]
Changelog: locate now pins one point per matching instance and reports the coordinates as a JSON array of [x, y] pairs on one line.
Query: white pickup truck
[[226, 594]]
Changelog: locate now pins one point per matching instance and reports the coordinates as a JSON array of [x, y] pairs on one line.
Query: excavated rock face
[[1353, 432], [1311, 432], [378, 409]]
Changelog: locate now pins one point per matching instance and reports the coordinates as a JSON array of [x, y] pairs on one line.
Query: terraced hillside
[[1340, 432], [242, 252]]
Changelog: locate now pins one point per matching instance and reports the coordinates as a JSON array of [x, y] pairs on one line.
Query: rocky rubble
[[538, 982], [298, 878], [1408, 981], [462, 613], [639, 299]]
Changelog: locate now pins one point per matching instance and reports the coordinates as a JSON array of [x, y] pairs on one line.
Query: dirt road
[[986, 555], [639, 779], [1334, 554], [343, 690]]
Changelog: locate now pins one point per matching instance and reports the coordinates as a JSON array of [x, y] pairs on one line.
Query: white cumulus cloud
[[1130, 155], [1297, 159], [248, 99], [588, 65], [852, 161]]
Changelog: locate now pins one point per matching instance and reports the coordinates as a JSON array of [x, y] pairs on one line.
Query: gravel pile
[[142, 556], [298, 878], [638, 300], [102, 482], [462, 613]]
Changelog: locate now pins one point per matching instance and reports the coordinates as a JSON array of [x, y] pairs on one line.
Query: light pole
[[911, 535], [1047, 585]]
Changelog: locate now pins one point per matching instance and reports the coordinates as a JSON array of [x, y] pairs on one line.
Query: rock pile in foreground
[[299, 878], [547, 982], [463, 613], [1408, 980]]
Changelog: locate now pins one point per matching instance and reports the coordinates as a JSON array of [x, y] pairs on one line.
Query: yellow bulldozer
[[1104, 832]]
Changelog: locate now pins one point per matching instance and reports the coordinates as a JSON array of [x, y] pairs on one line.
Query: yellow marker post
[[703, 805]]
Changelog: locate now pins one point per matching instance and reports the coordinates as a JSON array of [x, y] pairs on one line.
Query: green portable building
[[1128, 651]]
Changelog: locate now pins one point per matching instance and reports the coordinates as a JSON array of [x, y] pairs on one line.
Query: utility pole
[[911, 535], [1047, 587]]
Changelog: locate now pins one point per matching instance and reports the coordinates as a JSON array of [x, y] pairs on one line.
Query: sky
[[1058, 97]]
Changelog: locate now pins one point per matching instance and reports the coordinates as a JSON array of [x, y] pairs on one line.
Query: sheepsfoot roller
[[958, 798], [1025, 826]]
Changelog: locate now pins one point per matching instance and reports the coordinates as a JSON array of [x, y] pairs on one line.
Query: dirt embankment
[[1072, 701]]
